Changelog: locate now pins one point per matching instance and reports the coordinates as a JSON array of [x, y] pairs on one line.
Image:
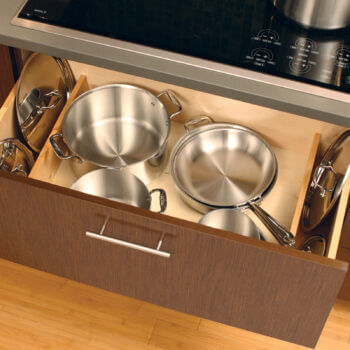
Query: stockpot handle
[[283, 236], [173, 99], [101, 237], [57, 148], [162, 199], [199, 120]]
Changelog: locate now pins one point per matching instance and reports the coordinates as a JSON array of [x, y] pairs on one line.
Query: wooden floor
[[42, 311]]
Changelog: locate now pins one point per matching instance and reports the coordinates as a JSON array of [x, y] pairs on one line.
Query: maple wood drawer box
[[259, 286]]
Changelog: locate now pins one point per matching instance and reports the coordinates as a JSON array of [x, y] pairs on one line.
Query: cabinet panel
[[273, 290], [6, 74]]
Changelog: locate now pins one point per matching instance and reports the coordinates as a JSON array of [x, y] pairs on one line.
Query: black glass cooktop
[[244, 33]]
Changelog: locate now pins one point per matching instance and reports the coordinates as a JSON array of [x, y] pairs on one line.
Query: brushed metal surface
[[231, 220], [223, 165], [116, 125], [114, 184], [320, 14]]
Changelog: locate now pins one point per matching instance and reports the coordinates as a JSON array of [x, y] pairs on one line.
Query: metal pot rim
[[186, 139], [108, 86], [123, 173]]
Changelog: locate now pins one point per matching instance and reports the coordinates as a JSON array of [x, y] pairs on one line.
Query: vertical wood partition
[[47, 161]]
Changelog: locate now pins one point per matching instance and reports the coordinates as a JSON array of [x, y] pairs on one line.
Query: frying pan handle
[[57, 148], [162, 199], [173, 99], [283, 236], [199, 120]]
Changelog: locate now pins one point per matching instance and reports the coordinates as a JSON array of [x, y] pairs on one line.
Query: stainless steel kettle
[[319, 14]]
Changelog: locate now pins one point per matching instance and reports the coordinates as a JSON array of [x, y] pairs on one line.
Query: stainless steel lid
[[15, 157], [315, 244], [44, 85], [327, 184]]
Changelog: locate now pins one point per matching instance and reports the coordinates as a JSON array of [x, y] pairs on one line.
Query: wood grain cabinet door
[[264, 288]]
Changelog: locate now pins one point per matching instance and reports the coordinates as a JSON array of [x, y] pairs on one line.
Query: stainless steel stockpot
[[232, 220], [119, 185], [319, 14], [116, 125], [223, 165]]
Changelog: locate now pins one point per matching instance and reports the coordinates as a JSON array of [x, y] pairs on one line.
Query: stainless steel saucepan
[[121, 186], [231, 220], [223, 165], [116, 125]]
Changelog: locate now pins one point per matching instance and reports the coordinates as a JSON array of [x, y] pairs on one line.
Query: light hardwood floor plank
[[43, 311]]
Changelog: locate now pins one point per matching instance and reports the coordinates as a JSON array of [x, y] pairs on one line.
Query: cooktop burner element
[[244, 33]]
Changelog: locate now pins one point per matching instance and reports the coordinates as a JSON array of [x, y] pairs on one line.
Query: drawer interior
[[297, 142]]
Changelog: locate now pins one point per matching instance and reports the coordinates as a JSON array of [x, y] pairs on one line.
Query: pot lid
[[45, 84], [327, 184]]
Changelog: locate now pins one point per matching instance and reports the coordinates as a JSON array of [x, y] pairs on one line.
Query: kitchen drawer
[[255, 285]]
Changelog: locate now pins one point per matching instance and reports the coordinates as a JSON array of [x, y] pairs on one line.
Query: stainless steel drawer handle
[[142, 248]]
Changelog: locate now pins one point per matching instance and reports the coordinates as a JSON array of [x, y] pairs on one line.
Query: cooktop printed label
[[261, 56], [342, 57], [268, 36]]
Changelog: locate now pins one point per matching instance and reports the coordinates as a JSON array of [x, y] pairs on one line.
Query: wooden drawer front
[[243, 282], [345, 237], [344, 255]]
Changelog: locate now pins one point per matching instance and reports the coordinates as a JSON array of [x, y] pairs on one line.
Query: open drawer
[[259, 286]]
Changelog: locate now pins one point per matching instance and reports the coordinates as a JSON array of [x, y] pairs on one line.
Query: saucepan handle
[[194, 122], [283, 236], [173, 99], [57, 149], [162, 199]]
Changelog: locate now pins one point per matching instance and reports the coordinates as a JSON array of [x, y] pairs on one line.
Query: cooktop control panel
[[244, 33]]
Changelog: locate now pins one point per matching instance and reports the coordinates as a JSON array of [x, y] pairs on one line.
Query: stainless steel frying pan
[[223, 165]]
